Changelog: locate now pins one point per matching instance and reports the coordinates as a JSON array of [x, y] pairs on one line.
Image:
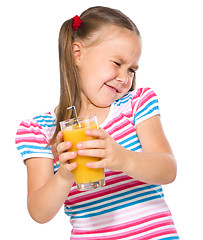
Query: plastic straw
[[75, 114]]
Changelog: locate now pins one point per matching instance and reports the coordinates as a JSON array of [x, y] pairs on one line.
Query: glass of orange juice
[[74, 131]]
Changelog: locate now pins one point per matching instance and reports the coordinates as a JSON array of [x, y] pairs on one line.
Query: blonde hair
[[92, 20]]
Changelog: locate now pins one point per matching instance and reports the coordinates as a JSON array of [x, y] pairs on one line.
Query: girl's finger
[[100, 153], [59, 137], [63, 146], [91, 144], [98, 164], [71, 166], [99, 133], [66, 156]]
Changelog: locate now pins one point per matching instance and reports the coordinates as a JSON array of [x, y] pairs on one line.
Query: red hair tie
[[76, 22]]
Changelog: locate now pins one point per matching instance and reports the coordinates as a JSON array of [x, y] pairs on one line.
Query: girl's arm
[[155, 165], [48, 191]]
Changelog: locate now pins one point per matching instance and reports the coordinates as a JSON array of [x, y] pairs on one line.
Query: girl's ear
[[77, 50]]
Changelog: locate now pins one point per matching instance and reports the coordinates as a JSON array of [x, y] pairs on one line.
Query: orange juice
[[82, 174]]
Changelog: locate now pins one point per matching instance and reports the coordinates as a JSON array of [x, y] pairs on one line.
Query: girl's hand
[[112, 154], [64, 156]]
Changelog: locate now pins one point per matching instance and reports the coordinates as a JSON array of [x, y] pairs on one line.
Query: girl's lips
[[112, 88]]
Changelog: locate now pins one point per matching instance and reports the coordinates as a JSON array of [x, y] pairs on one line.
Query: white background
[[171, 64]]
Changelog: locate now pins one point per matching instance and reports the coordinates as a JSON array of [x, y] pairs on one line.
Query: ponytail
[[69, 77]]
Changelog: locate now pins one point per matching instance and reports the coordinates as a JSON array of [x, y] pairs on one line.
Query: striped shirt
[[125, 208]]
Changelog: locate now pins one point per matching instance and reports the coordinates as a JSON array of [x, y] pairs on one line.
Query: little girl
[[99, 55]]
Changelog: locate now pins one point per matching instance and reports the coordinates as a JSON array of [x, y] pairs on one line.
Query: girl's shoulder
[[45, 120], [137, 105], [41, 121], [144, 104], [34, 134], [139, 95]]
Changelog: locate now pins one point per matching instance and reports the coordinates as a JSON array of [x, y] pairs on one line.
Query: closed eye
[[134, 69], [117, 64], [131, 70]]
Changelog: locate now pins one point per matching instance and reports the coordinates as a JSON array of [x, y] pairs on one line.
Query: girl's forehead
[[126, 46], [121, 40]]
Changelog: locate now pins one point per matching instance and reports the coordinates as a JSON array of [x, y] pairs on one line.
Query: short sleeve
[[145, 105], [31, 140]]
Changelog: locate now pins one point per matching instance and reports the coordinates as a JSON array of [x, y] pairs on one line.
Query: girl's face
[[107, 69]]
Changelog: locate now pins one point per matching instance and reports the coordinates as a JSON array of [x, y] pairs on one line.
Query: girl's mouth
[[113, 89]]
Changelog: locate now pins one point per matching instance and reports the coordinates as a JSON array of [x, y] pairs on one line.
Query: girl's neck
[[101, 113]]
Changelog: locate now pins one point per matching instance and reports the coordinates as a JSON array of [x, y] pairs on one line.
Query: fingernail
[[79, 145], [80, 152], [89, 164], [87, 131], [68, 144], [73, 154], [73, 165]]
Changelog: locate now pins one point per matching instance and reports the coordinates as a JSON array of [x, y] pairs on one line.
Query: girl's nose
[[122, 77]]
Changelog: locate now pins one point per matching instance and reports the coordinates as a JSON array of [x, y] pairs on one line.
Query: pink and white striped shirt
[[125, 208]]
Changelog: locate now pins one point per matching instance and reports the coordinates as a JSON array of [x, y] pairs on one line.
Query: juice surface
[[82, 173]]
